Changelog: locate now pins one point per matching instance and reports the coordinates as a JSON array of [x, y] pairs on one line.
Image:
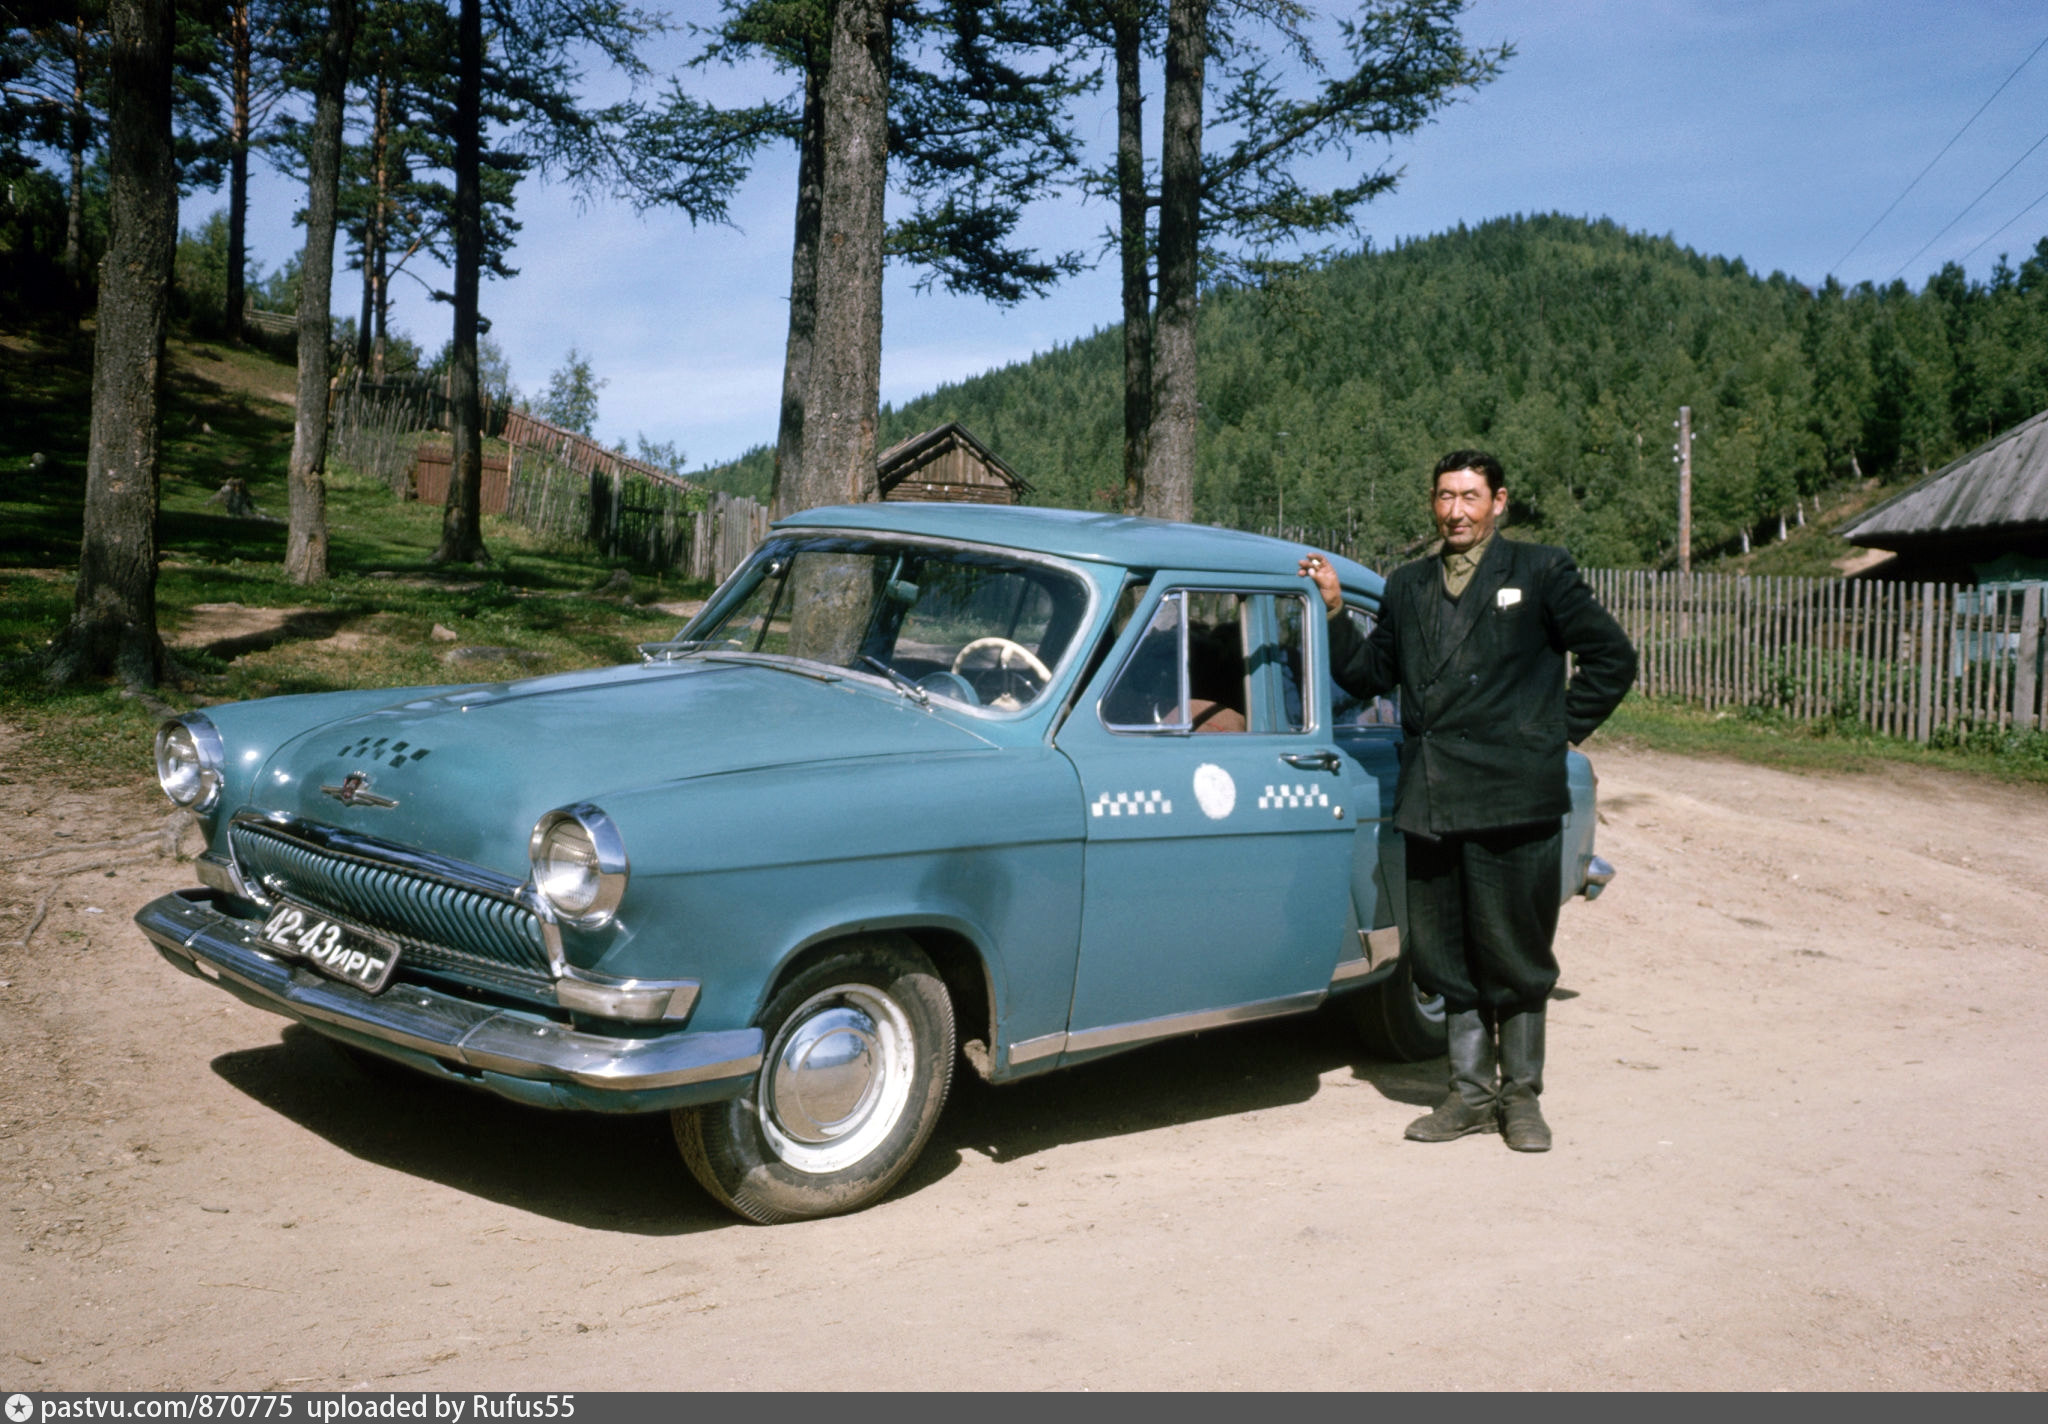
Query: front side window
[[975, 628], [1212, 661]]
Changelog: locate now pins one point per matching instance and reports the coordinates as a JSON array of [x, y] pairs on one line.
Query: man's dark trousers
[[1482, 915]]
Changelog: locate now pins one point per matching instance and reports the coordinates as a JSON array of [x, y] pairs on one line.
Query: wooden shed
[[1979, 519], [947, 465]]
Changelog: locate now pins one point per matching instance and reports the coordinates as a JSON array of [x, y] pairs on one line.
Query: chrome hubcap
[[824, 1074], [837, 1078]]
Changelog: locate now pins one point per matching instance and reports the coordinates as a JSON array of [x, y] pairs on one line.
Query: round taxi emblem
[[1215, 792]]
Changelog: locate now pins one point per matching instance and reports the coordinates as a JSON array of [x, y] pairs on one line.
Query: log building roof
[[1999, 488]]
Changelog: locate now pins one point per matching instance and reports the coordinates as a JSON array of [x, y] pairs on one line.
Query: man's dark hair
[[1487, 465]]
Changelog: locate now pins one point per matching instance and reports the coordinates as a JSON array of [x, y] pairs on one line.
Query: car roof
[[1084, 535]]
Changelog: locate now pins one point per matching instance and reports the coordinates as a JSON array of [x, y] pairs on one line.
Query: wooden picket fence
[[619, 512], [1901, 659]]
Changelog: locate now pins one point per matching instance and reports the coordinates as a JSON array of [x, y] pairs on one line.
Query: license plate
[[330, 948]]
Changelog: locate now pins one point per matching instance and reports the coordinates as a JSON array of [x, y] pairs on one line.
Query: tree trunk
[[1170, 454], [462, 540], [803, 290], [239, 62], [305, 554], [843, 387], [365, 309], [1127, 25], [79, 134], [370, 340], [113, 618]]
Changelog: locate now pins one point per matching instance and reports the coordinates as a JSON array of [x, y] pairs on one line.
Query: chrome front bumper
[[522, 1056]]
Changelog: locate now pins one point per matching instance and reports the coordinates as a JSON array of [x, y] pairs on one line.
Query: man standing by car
[[1475, 638]]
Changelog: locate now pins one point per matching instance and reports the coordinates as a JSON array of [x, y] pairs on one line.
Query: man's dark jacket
[[1484, 703]]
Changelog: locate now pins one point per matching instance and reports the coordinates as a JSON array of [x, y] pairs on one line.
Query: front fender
[[733, 875]]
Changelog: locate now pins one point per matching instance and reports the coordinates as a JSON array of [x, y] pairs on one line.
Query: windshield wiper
[[903, 684]]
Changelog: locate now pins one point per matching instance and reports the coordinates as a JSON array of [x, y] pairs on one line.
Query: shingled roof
[[2000, 488]]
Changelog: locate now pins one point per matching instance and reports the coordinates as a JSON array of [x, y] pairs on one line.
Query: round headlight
[[188, 761], [579, 865]]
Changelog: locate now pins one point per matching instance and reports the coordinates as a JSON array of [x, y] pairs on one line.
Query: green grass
[[1771, 739], [369, 625]]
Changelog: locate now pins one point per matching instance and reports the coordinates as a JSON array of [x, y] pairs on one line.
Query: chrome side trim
[[457, 1031], [1173, 1025], [1030, 1050]]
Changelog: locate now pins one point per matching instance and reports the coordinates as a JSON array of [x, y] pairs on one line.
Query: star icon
[[19, 1408]]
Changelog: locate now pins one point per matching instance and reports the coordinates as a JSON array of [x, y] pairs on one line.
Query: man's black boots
[[1521, 1081], [1472, 1104]]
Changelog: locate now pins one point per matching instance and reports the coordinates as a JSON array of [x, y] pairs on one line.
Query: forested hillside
[[1567, 346]]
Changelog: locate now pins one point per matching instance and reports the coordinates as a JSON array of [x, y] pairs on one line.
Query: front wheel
[[1397, 1020], [859, 1057]]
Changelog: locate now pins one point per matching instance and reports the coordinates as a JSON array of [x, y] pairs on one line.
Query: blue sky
[[1776, 132]]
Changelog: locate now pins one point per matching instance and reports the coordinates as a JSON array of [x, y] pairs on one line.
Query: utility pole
[[1684, 459]]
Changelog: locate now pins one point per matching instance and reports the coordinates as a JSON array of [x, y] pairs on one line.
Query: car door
[[1218, 815], [1368, 731]]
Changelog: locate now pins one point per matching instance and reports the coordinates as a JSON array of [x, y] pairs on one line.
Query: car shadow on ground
[[1222, 1073], [598, 1170], [622, 1173]]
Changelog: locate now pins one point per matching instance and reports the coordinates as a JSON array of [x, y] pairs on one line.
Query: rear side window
[[1354, 712]]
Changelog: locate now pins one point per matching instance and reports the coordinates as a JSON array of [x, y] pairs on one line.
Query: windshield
[[974, 628]]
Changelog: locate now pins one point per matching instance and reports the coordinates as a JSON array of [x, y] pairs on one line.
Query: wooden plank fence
[[666, 524], [1902, 659]]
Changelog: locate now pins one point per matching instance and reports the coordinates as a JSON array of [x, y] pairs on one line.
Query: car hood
[[472, 768]]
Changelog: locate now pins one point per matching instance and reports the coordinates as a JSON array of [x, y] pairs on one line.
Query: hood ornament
[[354, 791]]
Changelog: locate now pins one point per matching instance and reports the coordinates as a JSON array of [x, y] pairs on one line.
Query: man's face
[[1465, 509]]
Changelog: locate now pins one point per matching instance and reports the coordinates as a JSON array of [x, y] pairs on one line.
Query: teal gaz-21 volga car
[[921, 782]]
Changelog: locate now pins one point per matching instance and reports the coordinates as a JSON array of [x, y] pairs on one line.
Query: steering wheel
[[1013, 661], [1006, 650]]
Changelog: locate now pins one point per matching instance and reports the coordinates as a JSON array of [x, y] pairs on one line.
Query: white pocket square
[[1507, 598]]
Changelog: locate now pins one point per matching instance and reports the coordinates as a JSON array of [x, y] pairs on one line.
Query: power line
[[1972, 203], [1938, 157], [2006, 224]]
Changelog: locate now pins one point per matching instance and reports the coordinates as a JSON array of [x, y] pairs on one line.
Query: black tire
[[867, 1029], [1397, 1020]]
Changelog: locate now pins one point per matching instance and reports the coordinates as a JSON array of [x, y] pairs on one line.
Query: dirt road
[[1795, 1079]]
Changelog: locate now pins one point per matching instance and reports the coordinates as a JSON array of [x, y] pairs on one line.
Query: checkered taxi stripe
[[1280, 798], [1131, 803], [377, 749]]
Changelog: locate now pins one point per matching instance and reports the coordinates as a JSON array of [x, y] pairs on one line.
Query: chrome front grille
[[437, 923]]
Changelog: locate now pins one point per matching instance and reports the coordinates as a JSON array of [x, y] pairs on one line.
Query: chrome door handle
[[1312, 761]]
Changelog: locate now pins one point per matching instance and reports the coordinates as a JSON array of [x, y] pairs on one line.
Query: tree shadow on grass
[[306, 624]]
